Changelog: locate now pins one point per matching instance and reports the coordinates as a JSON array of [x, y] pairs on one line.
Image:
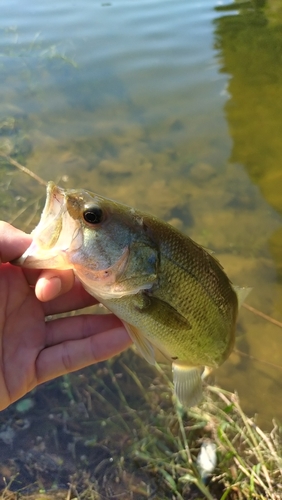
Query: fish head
[[90, 234]]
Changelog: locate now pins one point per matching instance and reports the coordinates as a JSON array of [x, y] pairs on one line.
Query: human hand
[[33, 350]]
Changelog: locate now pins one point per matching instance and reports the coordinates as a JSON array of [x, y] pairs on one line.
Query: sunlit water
[[172, 107]]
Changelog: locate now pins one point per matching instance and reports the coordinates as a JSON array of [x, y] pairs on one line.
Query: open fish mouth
[[53, 236], [49, 228]]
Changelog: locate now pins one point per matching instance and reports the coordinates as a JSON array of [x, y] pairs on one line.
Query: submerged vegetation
[[107, 432]]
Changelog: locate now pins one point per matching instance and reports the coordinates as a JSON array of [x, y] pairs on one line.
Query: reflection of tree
[[250, 44]]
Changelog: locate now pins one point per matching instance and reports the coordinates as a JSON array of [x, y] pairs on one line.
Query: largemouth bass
[[172, 296]]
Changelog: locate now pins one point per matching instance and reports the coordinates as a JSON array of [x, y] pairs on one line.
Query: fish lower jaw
[[42, 260]]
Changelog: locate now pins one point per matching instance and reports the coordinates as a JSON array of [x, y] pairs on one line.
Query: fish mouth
[[53, 235], [47, 232]]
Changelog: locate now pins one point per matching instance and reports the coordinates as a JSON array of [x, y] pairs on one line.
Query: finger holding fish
[[76, 298], [48, 284], [70, 355]]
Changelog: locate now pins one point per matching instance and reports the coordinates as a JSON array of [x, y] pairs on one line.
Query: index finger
[[76, 298]]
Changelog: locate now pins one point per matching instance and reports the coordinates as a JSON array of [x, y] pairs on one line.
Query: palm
[[22, 320]]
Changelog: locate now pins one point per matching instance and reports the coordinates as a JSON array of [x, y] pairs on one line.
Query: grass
[[134, 441], [249, 463]]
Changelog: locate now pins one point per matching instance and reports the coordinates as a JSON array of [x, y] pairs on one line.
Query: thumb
[[52, 283]]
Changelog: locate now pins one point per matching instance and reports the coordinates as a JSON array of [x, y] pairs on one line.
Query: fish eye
[[93, 215]]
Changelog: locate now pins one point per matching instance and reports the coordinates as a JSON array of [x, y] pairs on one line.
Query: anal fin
[[187, 383]]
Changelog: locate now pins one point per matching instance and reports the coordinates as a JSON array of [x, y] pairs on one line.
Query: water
[[172, 107]]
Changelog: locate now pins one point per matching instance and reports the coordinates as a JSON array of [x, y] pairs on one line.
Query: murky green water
[[172, 107]]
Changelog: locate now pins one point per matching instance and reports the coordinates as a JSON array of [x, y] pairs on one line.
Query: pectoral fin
[[143, 345], [187, 383]]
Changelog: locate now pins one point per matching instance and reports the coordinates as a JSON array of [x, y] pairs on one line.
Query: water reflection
[[251, 48], [248, 38]]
